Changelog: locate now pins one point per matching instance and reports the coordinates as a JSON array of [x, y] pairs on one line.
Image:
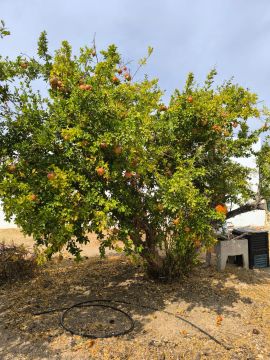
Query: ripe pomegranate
[[134, 162], [118, 150], [163, 108], [103, 145], [100, 171], [51, 175], [127, 76], [221, 208], [33, 197], [115, 80], [24, 65], [59, 83], [216, 128], [54, 82], [128, 174], [197, 243], [88, 87], [224, 114], [11, 168], [66, 137]]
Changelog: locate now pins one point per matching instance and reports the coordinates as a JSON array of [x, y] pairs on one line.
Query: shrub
[[16, 262]]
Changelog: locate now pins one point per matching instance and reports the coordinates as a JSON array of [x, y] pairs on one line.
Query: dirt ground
[[232, 306], [14, 235]]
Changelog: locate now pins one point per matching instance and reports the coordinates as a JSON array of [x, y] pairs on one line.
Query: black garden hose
[[95, 302], [92, 336]]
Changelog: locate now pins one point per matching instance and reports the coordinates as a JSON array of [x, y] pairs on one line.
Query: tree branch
[[256, 205]]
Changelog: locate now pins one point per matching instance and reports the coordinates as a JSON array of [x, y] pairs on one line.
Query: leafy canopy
[[94, 150]]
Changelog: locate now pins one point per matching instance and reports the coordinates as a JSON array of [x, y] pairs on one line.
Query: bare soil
[[233, 306], [17, 237]]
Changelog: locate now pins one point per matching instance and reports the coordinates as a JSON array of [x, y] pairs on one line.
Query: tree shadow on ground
[[60, 285]]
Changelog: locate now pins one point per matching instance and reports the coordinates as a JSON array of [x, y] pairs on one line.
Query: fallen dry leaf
[[219, 320]]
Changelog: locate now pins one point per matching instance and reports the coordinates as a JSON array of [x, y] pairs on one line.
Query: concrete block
[[225, 248]]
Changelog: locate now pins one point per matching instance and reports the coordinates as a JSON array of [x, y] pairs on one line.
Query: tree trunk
[[155, 261]]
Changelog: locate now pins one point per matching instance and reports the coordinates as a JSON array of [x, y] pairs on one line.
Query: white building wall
[[256, 217]]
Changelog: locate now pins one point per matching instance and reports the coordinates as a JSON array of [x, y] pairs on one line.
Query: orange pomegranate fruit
[[54, 82], [88, 87], [128, 174], [100, 171], [127, 76], [216, 128], [221, 208], [197, 243], [24, 65], [11, 168], [33, 197], [118, 150], [51, 175], [103, 145], [163, 108], [115, 80]]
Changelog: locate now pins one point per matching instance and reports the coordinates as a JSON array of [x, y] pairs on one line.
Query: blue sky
[[233, 35]]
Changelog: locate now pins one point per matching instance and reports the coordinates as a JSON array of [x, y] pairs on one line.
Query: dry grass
[[15, 236], [16, 262], [233, 306]]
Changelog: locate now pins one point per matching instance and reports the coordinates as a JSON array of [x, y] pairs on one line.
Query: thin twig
[[95, 48]]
